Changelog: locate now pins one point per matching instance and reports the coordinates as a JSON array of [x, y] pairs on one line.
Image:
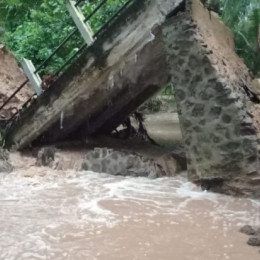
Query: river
[[48, 214]]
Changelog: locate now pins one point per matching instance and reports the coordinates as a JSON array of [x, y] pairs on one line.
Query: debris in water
[[254, 241], [248, 230]]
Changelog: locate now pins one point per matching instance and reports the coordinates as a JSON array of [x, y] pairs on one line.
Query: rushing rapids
[[49, 214]]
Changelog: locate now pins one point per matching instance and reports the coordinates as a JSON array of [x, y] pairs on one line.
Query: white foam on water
[[42, 212]]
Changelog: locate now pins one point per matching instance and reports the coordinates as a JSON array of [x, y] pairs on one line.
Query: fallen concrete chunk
[[248, 230], [254, 241]]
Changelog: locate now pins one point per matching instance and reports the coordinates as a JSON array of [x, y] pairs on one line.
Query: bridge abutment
[[218, 131]]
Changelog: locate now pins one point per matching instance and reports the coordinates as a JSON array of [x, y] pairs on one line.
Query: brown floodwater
[[47, 214]]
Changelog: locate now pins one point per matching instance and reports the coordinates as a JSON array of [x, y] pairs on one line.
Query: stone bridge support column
[[219, 135]]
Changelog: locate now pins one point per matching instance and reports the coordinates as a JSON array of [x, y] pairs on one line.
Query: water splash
[[151, 37], [85, 215], [61, 120], [136, 58], [111, 81]]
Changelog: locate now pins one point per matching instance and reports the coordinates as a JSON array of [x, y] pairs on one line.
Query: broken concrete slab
[[124, 66]]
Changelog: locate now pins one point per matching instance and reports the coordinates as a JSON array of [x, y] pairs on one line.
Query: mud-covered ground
[[11, 77]]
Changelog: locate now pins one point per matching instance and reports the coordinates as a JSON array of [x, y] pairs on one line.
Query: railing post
[[79, 18], [33, 77]]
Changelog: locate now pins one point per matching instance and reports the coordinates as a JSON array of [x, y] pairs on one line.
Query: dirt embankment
[[11, 77], [225, 60]]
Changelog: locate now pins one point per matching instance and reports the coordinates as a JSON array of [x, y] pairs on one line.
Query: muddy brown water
[[47, 214]]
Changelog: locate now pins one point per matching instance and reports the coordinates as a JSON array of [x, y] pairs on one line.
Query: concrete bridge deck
[[123, 68]]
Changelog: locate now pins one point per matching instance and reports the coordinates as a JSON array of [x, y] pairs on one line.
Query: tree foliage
[[34, 28], [103, 14], [243, 17], [12, 12], [40, 33], [39, 28]]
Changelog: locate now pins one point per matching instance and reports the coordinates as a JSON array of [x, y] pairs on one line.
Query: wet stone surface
[[204, 90], [248, 230], [254, 241], [125, 163], [254, 233]]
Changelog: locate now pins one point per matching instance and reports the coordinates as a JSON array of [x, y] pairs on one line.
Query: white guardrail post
[[78, 18], [33, 77]]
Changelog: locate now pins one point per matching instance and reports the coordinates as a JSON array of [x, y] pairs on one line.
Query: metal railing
[[64, 41]]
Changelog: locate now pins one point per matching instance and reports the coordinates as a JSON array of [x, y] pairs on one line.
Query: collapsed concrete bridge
[[151, 44]]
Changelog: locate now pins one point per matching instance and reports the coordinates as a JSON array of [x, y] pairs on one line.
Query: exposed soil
[[227, 63], [11, 77], [220, 39]]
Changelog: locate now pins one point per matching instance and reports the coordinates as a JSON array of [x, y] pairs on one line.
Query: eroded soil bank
[[11, 77]]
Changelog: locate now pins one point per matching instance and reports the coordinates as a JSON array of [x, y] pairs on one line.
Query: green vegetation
[[243, 17], [162, 101], [40, 30], [34, 28]]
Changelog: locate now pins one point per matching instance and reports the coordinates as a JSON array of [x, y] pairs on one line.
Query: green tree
[[40, 28], [40, 33], [13, 12], [103, 14], [34, 28], [243, 18]]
